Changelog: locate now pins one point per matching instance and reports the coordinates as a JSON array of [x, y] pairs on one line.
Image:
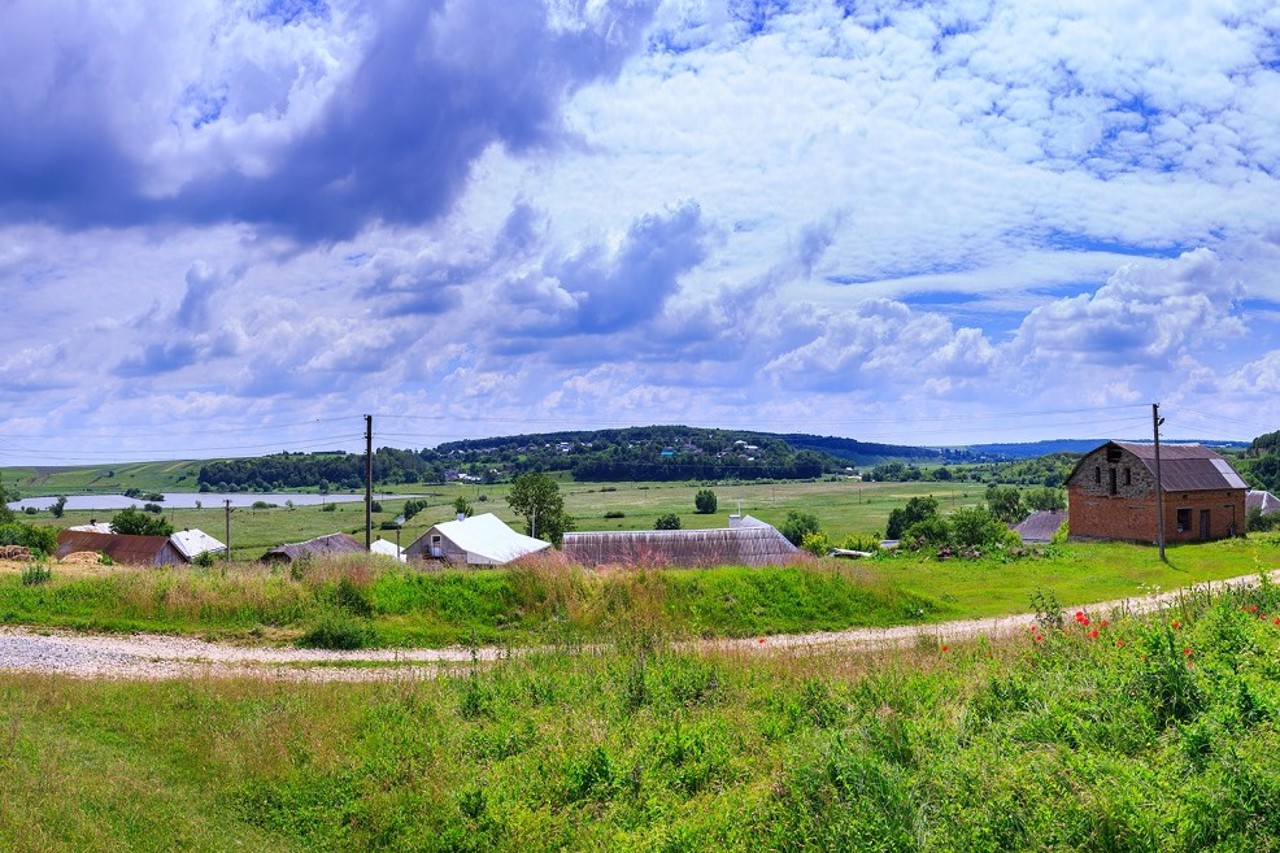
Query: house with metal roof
[[1040, 526], [746, 541], [1112, 494], [121, 548], [1266, 502], [192, 543], [478, 540], [387, 548]]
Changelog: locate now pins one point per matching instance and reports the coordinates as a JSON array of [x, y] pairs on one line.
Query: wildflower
[[762, 639], [1039, 638], [1085, 621], [1276, 621], [1191, 664], [946, 648], [1176, 625], [1104, 623], [1119, 644], [1079, 615], [1188, 652], [1093, 635]]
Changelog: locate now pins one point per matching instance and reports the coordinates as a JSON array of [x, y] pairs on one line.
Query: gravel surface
[[155, 656]]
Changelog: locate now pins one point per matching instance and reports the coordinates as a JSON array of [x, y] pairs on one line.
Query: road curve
[[157, 656]]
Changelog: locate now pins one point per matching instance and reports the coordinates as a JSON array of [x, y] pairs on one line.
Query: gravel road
[[155, 656]]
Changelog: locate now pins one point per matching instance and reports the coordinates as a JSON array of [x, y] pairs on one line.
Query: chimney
[[462, 516], [735, 520]]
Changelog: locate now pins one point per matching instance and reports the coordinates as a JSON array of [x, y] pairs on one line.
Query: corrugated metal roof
[[1183, 467], [129, 550], [486, 539], [756, 544], [193, 543], [334, 543], [1264, 501], [388, 548]]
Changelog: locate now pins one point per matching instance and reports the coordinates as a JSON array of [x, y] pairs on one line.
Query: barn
[[321, 546], [1111, 494], [745, 542], [121, 548]]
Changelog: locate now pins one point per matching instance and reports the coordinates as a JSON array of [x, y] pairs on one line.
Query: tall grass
[[1155, 733]]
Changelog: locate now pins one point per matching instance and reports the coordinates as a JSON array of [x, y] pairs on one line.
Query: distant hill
[[1032, 449]]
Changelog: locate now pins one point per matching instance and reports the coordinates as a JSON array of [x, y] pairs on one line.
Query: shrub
[[615, 513], [337, 629], [329, 508], [35, 574], [916, 511], [798, 525], [705, 502], [976, 527], [37, 540], [667, 521], [816, 544]]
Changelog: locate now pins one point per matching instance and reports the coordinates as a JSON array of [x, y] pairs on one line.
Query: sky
[[235, 228]]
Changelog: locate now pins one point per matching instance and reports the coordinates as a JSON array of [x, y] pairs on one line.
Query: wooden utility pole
[[227, 503], [368, 482], [1156, 421]]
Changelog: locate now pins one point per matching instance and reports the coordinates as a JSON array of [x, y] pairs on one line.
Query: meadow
[[370, 601], [1111, 734], [843, 508]]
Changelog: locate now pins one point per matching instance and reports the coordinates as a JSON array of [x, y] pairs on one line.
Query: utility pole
[[1156, 421], [228, 532], [368, 482]]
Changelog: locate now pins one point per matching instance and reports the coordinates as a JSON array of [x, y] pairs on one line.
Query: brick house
[[1111, 494]]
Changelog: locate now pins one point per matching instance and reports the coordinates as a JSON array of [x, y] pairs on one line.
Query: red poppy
[[1085, 621], [946, 648], [1093, 635], [762, 639], [1104, 623], [1188, 652], [1079, 615], [1176, 624], [1119, 643]]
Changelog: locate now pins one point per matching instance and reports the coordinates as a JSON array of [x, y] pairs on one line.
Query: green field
[[843, 508], [1155, 735]]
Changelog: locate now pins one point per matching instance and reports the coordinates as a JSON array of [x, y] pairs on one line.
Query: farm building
[[387, 548], [321, 546], [481, 540], [1112, 494], [127, 550], [1041, 525], [1266, 502], [193, 543], [745, 542]]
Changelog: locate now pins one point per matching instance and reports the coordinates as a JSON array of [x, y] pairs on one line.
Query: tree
[[59, 506], [798, 525], [6, 514], [1046, 498], [537, 497], [131, 522], [977, 527], [1005, 503], [917, 510], [668, 521], [462, 507], [705, 502]]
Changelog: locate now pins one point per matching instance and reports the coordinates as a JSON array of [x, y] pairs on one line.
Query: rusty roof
[[121, 548]]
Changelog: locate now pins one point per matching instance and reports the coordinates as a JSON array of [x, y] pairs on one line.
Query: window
[[1113, 481], [1097, 475], [1128, 476], [1113, 454], [1184, 520]]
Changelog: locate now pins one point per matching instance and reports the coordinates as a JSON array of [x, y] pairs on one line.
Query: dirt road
[[154, 656]]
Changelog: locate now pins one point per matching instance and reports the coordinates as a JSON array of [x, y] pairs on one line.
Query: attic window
[[1113, 454]]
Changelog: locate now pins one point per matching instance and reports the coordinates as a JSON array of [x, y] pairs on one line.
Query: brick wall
[[1095, 512]]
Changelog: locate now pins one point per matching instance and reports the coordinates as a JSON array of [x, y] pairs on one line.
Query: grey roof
[[334, 543], [1183, 467], [193, 543], [1264, 501], [1041, 525], [753, 544]]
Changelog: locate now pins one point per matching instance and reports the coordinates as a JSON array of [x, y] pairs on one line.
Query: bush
[[916, 511], [705, 502], [816, 544], [329, 508], [975, 527], [35, 574], [337, 629], [798, 525], [615, 513], [37, 540], [668, 521]]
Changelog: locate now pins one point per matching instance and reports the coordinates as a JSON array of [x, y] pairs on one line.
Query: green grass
[[1148, 737], [374, 601]]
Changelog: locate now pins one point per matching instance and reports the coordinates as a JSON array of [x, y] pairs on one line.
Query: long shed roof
[[121, 548], [753, 543], [334, 543], [487, 539]]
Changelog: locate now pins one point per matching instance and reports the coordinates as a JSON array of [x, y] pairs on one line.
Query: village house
[[1111, 494], [480, 540], [321, 546], [121, 548]]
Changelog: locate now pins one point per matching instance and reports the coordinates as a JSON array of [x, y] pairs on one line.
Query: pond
[[188, 500]]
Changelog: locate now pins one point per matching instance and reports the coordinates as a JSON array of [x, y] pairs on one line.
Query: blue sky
[[237, 227]]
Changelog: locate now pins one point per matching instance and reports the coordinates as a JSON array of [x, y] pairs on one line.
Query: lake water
[[187, 500]]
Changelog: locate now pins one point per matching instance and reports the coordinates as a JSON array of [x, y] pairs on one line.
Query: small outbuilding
[[1266, 503], [746, 541], [321, 546], [1041, 526], [478, 540], [192, 543], [1111, 494], [121, 548], [386, 548]]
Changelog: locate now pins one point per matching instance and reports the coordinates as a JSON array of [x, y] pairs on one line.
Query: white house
[[481, 540], [387, 548]]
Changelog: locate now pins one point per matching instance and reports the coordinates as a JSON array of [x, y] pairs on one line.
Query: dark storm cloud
[[437, 84]]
